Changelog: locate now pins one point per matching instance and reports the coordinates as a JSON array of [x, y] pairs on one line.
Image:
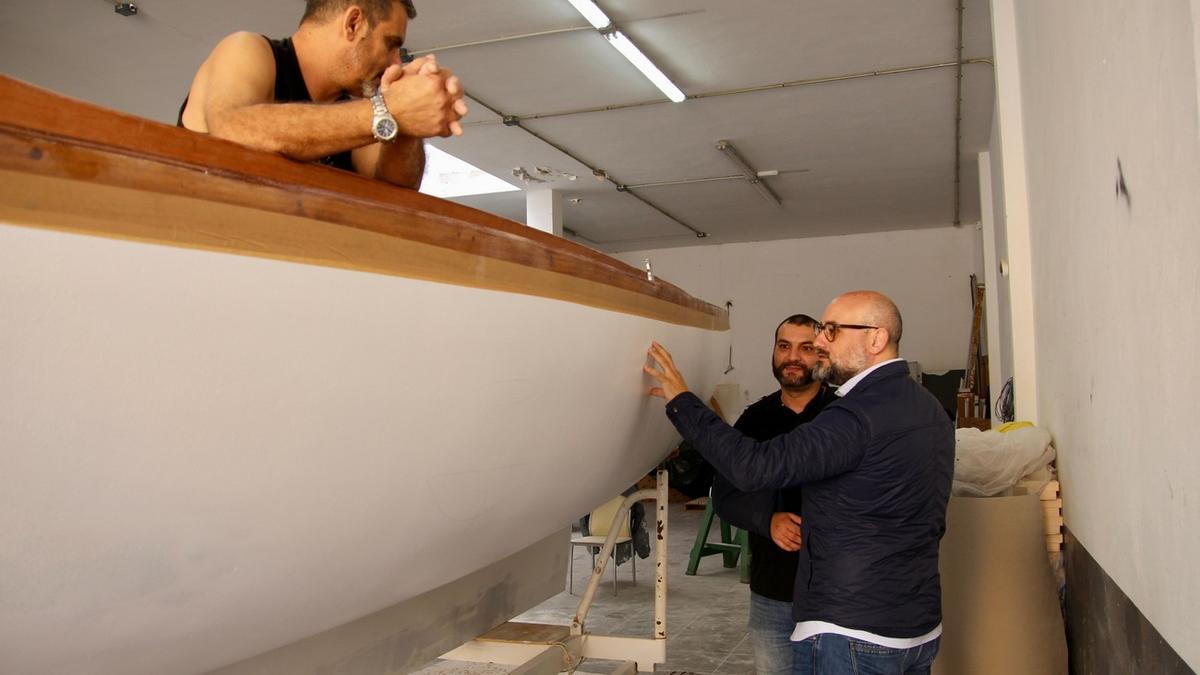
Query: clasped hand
[[426, 99]]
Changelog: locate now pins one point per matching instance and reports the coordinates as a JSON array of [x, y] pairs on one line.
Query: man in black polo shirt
[[774, 514]]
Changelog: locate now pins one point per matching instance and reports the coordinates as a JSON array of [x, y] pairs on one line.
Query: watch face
[[385, 129]]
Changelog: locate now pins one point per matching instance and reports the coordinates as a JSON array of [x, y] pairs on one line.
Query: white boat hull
[[207, 456], [248, 403]]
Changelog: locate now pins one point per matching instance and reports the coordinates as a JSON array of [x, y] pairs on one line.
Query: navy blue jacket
[[876, 466], [772, 570]]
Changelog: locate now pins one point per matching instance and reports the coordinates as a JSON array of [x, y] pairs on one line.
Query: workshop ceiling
[[867, 154]]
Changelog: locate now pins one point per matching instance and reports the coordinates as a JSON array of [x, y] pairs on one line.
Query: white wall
[[926, 272], [1017, 296], [993, 345], [1116, 317], [1000, 348]]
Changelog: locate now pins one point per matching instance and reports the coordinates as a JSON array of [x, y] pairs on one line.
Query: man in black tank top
[[306, 96]]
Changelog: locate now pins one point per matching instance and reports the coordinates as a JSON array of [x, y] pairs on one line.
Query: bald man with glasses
[[876, 465]]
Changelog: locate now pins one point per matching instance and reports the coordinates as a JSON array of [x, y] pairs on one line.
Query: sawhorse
[[734, 548]]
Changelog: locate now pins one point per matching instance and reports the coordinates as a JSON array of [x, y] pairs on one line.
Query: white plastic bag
[[989, 463]]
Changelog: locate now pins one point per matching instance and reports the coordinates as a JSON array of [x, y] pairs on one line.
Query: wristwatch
[[383, 125]]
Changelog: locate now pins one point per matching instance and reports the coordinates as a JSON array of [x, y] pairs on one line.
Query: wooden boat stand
[[541, 649]]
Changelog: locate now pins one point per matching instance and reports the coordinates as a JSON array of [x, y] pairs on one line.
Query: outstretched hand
[[785, 531], [670, 380]]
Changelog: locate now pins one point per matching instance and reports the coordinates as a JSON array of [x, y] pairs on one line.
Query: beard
[[838, 372], [359, 71], [794, 380]]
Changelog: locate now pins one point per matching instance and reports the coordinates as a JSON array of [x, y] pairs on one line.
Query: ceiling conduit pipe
[[958, 103], [744, 90]]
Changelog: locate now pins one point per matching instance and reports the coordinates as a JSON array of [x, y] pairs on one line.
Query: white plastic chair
[[599, 523]]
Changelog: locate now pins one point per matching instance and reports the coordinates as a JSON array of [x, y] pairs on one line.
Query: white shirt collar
[[852, 382]]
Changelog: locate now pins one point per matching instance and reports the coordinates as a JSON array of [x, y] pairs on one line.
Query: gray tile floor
[[706, 613]]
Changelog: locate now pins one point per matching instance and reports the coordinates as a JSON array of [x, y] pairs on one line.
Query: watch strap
[[379, 104]]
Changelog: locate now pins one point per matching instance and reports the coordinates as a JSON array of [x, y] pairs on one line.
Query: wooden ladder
[[972, 400]]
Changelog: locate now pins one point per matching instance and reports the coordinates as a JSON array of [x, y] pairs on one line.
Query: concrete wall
[[1110, 149], [925, 271]]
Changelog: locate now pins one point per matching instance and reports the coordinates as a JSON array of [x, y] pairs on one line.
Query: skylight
[[447, 176]]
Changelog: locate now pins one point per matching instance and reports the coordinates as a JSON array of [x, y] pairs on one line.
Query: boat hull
[[245, 401], [208, 456]]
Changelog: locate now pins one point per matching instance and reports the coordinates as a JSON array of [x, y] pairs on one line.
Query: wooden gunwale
[[70, 165]]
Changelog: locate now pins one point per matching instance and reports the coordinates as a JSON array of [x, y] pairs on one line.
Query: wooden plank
[[550, 661], [697, 504], [1054, 525], [973, 347], [528, 633], [1050, 491]]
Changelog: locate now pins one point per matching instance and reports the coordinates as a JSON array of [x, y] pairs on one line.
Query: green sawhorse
[[733, 548]]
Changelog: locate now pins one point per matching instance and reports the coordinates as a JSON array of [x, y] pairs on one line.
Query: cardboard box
[[1000, 610]]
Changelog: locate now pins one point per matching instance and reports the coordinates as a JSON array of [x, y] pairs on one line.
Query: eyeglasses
[[831, 328]]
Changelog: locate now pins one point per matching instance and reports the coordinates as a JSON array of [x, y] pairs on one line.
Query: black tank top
[[290, 88]]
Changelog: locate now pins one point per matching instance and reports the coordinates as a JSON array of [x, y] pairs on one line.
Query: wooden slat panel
[[1050, 491]]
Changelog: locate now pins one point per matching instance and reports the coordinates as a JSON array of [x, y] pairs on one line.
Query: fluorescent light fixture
[[447, 176], [616, 38], [592, 13], [639, 60]]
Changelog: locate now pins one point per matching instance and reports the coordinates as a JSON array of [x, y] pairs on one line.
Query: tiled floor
[[706, 613]]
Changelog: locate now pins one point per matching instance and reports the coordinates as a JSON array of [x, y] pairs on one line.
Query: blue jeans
[[832, 654], [770, 628]]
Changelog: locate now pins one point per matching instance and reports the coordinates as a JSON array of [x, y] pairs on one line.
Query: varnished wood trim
[[123, 213], [64, 153]]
